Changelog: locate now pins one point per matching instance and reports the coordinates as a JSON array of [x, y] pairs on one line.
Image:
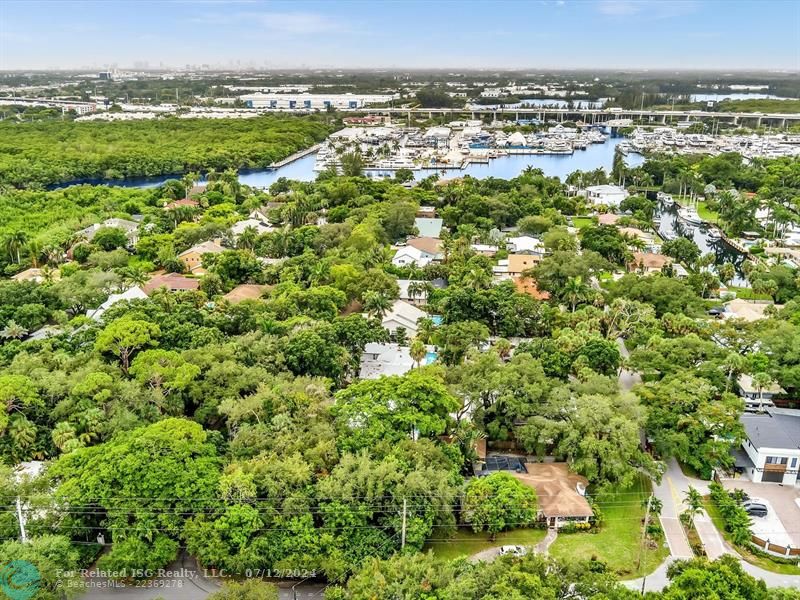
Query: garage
[[772, 476]]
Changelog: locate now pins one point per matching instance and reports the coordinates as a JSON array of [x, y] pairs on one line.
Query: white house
[[134, 293], [403, 316], [131, 229], [239, 227], [524, 244], [407, 286], [408, 255], [772, 444], [608, 195], [755, 398], [389, 359]]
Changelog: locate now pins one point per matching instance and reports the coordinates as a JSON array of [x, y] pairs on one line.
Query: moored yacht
[[689, 215]]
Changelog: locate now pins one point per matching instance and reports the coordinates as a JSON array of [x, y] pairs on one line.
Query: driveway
[[783, 521]]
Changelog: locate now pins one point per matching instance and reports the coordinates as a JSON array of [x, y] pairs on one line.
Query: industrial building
[[314, 101]]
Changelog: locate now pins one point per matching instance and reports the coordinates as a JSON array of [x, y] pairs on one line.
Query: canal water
[[504, 167], [670, 225]]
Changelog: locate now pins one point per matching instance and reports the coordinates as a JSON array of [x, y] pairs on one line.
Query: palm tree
[[13, 331], [34, 250], [13, 243], [417, 350], [188, 182], [760, 381], [477, 278], [376, 304], [417, 289], [694, 503], [576, 291], [733, 365], [135, 276], [247, 239]]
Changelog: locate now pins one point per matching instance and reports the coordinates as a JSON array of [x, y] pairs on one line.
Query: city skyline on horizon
[[558, 34]]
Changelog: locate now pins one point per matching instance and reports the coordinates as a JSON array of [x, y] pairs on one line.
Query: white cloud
[[289, 23], [652, 9]]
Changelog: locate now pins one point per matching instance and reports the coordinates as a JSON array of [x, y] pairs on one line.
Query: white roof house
[[609, 195], [403, 315], [524, 244], [418, 298], [379, 359], [131, 229], [134, 293], [408, 255], [239, 227]]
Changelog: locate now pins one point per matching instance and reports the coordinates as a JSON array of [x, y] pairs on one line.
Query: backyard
[[618, 542], [466, 542]]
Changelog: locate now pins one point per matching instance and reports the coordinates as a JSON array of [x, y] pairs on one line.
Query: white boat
[[665, 199], [714, 234], [689, 215]]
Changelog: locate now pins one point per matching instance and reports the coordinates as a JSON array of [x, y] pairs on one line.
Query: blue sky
[[680, 34]]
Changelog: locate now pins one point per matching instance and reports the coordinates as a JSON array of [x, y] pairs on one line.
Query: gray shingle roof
[[773, 429]]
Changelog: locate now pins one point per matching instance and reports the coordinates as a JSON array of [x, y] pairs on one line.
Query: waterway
[[505, 167], [720, 97], [670, 225]]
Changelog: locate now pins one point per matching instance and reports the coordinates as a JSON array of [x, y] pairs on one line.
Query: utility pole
[[23, 536], [644, 537], [403, 534]]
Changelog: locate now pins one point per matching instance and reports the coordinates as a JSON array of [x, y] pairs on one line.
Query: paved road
[[710, 537]]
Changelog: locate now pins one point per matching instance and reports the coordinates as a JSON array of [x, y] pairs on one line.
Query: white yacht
[[689, 215], [665, 199], [714, 234]]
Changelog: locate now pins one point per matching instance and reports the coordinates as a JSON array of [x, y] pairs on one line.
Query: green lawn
[[582, 222], [619, 541], [746, 293], [465, 542], [759, 561]]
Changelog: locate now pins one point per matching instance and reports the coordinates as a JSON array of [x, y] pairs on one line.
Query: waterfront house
[[193, 257], [187, 202], [772, 444], [606, 195]]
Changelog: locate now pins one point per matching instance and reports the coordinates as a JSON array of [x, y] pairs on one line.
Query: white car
[[513, 550]]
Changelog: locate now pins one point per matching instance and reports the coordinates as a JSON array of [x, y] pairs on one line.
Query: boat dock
[[295, 156]]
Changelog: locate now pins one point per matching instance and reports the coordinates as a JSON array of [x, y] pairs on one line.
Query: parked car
[[513, 550], [755, 509]]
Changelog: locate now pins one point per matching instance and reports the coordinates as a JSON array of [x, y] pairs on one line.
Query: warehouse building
[[313, 101]]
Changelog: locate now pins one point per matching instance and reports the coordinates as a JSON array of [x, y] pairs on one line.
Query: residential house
[[403, 315], [755, 398], [409, 292], [426, 212], [36, 275], [187, 202], [744, 309], [772, 445], [428, 227], [131, 229], [648, 240], [560, 493], [379, 359], [484, 249], [240, 226], [519, 263], [606, 195], [193, 257], [134, 293], [524, 244], [173, 282], [408, 255], [245, 291], [648, 263]]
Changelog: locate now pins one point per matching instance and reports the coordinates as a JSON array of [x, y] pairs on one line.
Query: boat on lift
[[665, 199]]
